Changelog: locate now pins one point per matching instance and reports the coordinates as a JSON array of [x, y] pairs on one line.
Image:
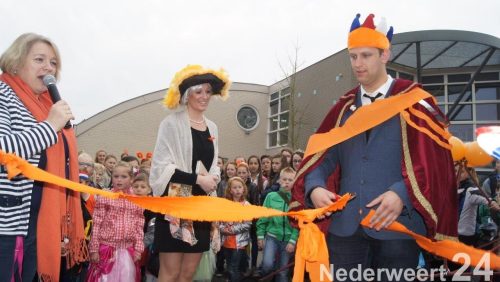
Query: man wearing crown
[[385, 142]]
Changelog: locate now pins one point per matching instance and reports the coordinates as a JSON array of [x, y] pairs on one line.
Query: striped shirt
[[22, 135]]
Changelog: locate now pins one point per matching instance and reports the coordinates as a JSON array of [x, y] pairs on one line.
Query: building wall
[[133, 124], [233, 140], [318, 87]]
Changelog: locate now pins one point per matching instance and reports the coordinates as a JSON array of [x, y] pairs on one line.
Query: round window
[[247, 117]]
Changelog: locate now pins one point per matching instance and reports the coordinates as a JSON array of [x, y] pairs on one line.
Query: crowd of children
[[119, 252]]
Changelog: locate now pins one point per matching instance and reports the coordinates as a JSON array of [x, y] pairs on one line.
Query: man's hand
[[321, 197], [390, 207]]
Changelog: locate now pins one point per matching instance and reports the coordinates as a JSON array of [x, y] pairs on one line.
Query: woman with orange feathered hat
[[184, 164]]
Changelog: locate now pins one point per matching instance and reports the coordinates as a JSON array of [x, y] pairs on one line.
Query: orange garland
[[311, 246], [445, 248]]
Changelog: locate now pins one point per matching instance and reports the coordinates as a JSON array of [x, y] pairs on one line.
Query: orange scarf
[[56, 205]]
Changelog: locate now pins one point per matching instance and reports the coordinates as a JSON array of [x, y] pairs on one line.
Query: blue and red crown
[[369, 35]]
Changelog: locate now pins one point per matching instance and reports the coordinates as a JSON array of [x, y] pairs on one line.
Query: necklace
[[197, 122]]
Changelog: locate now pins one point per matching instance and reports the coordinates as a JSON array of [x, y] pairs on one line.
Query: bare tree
[[295, 113]]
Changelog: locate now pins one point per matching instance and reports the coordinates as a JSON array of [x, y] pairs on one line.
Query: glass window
[[279, 118], [485, 76], [273, 123], [284, 137], [273, 139], [437, 91], [488, 91], [285, 91], [274, 107], [488, 111], [428, 79], [442, 107], [275, 95], [285, 103], [464, 112], [284, 120], [463, 77], [392, 73], [406, 76], [247, 117], [464, 132], [455, 90]]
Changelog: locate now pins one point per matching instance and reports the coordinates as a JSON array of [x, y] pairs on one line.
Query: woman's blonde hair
[[14, 57]]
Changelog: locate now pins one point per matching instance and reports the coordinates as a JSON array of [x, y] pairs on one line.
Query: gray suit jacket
[[368, 169]]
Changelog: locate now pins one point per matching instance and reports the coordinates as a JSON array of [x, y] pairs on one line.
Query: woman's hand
[[207, 182], [64, 250], [59, 115]]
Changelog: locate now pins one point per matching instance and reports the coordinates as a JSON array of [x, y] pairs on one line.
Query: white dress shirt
[[384, 88]]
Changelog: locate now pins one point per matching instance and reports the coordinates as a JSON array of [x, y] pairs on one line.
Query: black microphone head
[[49, 79]]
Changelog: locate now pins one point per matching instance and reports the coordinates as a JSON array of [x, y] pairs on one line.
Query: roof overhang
[[441, 49]]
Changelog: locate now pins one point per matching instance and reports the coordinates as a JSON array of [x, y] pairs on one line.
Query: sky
[[116, 50]]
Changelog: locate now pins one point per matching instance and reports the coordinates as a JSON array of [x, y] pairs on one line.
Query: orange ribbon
[[311, 247], [365, 118], [312, 251], [445, 248]]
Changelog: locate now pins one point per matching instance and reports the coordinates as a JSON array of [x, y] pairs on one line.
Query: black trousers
[[359, 251]]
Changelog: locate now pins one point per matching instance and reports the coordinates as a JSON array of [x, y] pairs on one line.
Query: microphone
[[50, 81]]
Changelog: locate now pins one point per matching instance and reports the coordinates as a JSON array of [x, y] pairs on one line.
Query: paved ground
[[219, 279], [223, 279]]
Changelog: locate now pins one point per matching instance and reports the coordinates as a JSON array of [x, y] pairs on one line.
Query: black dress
[[203, 150]]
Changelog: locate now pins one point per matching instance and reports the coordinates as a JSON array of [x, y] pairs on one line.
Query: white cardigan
[[174, 150]]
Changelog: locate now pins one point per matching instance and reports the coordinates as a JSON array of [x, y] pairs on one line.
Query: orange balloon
[[457, 148], [476, 156]]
